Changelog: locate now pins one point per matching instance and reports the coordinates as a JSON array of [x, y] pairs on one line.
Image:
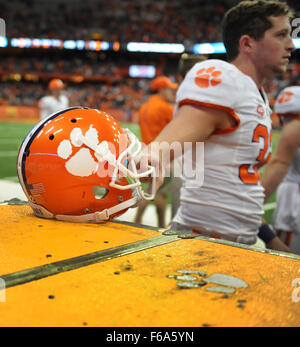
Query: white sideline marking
[[13, 179], [10, 190]]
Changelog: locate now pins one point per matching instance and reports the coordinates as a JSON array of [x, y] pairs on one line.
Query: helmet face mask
[[78, 165]]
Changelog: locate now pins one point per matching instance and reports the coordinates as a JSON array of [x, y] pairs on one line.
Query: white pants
[[286, 216], [248, 240]]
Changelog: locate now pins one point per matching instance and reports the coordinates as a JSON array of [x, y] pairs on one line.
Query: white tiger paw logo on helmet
[[82, 163]]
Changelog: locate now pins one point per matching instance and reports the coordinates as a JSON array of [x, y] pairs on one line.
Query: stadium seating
[[100, 79]]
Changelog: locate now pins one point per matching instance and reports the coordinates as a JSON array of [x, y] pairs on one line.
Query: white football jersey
[[287, 105], [230, 198], [50, 104]]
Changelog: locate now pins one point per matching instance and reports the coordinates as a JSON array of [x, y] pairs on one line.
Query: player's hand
[[151, 156], [277, 245]]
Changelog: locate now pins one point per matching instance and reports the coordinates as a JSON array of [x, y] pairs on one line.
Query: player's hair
[[250, 18]]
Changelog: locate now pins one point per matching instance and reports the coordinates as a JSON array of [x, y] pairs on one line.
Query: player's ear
[[246, 43]]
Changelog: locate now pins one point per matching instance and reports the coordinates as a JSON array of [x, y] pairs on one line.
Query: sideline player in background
[[283, 170], [56, 101], [224, 105], [154, 115]]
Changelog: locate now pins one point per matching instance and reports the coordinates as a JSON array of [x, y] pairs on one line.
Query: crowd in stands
[[120, 92], [180, 21], [124, 21], [92, 79], [88, 65], [46, 64], [126, 94]]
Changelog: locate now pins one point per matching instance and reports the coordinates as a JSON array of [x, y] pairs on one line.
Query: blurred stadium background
[[106, 53]]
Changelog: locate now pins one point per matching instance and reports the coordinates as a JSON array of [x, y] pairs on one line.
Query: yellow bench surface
[[122, 275]]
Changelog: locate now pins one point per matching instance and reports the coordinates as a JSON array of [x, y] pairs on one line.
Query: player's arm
[[278, 166], [192, 124], [271, 240]]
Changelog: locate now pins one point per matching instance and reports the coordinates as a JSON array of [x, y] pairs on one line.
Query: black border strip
[[136, 225]]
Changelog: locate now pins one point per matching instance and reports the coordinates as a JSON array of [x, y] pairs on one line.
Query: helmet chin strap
[[105, 154], [96, 217]]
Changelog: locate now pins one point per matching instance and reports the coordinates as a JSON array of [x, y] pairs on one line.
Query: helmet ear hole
[[100, 192]]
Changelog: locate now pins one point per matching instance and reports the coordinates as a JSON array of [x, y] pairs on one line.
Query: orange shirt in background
[[154, 115]]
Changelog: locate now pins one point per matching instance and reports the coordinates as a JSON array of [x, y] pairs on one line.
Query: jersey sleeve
[[211, 83], [288, 102]]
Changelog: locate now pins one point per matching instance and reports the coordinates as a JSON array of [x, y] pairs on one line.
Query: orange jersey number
[[254, 177]]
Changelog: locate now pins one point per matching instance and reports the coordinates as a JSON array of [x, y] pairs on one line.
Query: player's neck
[[249, 69]]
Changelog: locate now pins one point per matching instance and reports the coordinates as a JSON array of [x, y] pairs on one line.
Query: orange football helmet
[[78, 165]]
